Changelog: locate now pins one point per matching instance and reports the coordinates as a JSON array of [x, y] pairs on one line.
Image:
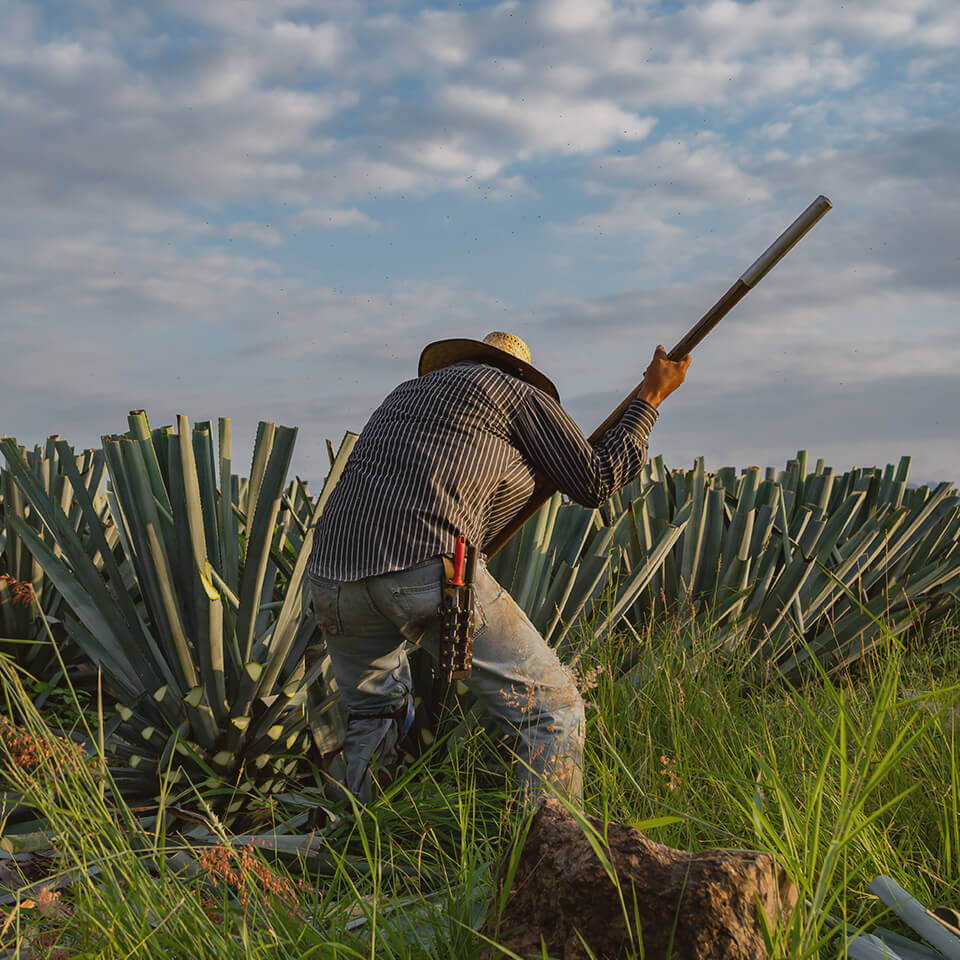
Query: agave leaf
[[534, 551], [226, 516], [779, 600], [592, 572], [801, 470], [210, 650], [98, 542], [940, 539], [123, 531], [694, 531], [288, 695], [633, 587], [270, 580], [580, 524], [207, 487], [299, 529], [8, 612], [860, 552], [503, 565], [109, 650], [18, 559], [642, 529], [732, 569], [886, 484], [263, 447], [166, 612], [265, 503], [82, 582], [733, 545], [713, 540], [787, 594], [195, 526], [622, 531], [763, 525], [183, 539], [912, 530], [548, 616], [284, 628], [546, 579], [140, 431]]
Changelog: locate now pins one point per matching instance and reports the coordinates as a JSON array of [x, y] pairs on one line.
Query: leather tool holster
[[457, 623]]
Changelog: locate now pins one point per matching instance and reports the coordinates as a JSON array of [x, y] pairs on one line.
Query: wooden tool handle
[[543, 488]]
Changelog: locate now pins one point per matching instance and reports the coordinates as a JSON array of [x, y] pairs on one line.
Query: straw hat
[[503, 350]]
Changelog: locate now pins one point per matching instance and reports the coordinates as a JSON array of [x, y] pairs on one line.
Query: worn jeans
[[516, 676]]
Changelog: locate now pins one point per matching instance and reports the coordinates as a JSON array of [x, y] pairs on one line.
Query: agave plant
[[198, 617], [24, 585], [939, 926], [787, 564]]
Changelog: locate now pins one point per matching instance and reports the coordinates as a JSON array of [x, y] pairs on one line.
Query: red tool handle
[[459, 554]]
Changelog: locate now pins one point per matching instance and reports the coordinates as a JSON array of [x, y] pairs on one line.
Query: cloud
[[116, 326], [663, 145], [332, 219], [731, 26], [808, 359], [301, 45], [260, 232], [546, 122], [575, 16], [508, 188], [764, 425], [776, 130], [687, 173], [249, 100]]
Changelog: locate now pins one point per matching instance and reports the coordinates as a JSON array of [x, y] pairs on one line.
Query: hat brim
[[442, 353]]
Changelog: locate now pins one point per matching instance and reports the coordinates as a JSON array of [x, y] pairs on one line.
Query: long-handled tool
[[543, 488]]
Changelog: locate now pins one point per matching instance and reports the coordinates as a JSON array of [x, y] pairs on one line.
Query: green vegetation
[[190, 601], [783, 563], [843, 778], [22, 576], [770, 661]]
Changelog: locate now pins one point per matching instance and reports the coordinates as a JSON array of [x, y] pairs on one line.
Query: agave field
[[787, 564], [157, 594]]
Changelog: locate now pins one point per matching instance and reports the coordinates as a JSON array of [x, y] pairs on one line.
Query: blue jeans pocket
[[415, 596], [326, 605]]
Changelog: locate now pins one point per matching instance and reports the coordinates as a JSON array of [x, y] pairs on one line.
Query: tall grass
[[849, 776]]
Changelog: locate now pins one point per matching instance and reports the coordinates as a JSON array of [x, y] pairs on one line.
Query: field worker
[[455, 451]]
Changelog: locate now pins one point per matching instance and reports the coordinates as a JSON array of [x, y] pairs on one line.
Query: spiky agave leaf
[[208, 641], [786, 563], [23, 581]]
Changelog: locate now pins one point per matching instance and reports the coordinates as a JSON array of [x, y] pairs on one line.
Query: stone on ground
[[690, 906]]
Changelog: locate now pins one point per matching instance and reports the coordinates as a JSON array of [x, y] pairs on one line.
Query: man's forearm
[[650, 395]]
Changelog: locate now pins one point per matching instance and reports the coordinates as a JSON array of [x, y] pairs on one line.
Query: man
[[455, 451]]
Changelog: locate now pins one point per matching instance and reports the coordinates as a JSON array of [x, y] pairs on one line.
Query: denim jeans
[[516, 676]]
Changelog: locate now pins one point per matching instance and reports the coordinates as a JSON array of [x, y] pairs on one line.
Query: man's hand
[[662, 377]]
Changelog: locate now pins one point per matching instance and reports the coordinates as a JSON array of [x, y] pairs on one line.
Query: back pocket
[[326, 605]]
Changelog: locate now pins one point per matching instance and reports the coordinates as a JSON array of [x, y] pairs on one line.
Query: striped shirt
[[456, 451]]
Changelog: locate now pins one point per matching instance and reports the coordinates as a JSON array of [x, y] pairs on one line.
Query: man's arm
[[550, 440]]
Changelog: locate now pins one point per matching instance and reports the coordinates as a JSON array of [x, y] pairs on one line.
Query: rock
[[706, 901]]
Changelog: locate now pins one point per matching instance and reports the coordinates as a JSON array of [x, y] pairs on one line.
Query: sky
[[265, 209]]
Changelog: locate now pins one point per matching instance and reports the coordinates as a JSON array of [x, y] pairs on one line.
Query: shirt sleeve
[[550, 441]]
